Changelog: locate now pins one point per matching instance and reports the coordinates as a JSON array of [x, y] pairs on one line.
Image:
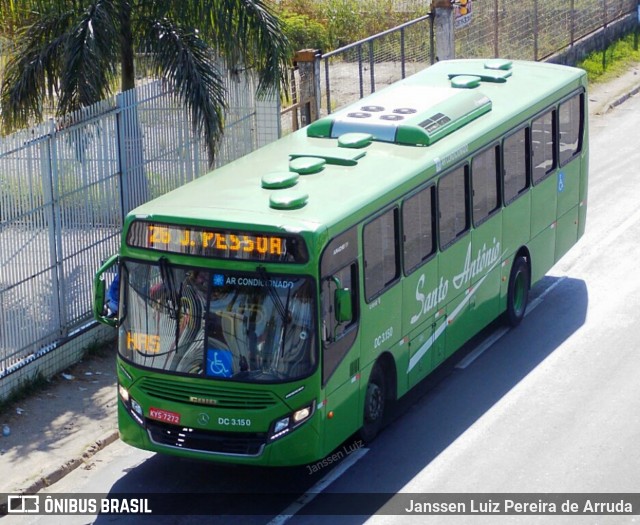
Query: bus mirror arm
[[99, 288]]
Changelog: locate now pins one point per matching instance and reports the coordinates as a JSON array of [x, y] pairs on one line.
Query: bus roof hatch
[[412, 115]]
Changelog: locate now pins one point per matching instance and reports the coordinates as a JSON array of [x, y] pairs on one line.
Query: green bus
[[273, 308]]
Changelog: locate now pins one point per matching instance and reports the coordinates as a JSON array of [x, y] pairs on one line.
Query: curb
[[623, 98], [60, 472]]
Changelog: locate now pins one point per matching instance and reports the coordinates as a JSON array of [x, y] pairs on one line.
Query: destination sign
[[222, 244]]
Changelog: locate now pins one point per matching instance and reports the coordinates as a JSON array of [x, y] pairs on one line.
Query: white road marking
[[481, 348], [497, 335], [310, 495]]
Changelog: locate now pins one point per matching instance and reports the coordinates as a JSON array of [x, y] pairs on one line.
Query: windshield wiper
[[174, 299], [283, 310]]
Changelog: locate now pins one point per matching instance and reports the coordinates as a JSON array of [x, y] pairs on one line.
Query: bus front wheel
[[518, 291], [374, 404]]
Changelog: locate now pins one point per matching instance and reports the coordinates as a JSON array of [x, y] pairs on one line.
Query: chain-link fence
[[534, 29], [354, 71], [525, 29], [66, 185]]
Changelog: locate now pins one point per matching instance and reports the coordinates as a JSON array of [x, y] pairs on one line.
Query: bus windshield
[[250, 327]]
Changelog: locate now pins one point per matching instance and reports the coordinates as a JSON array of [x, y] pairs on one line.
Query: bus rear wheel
[[518, 291], [374, 405]]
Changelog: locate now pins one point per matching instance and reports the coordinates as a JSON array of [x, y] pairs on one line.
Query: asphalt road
[[550, 407]]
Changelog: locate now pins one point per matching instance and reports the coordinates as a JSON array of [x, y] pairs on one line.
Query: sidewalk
[[62, 427], [59, 428]]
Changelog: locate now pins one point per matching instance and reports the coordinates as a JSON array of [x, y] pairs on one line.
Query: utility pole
[[442, 11]]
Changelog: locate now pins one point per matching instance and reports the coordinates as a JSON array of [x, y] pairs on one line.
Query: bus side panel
[[568, 187], [423, 296], [584, 177], [516, 224], [426, 346], [381, 325], [544, 200], [342, 391], [542, 249], [452, 270], [487, 252], [567, 232]]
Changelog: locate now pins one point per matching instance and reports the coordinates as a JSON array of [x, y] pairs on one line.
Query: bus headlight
[[132, 406], [124, 393], [284, 425]]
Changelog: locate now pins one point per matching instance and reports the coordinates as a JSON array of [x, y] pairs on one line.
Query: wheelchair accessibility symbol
[[560, 182], [219, 363]]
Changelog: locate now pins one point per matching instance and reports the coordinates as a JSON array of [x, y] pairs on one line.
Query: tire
[[518, 291], [375, 404]]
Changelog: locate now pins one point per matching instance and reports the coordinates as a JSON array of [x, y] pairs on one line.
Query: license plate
[[164, 415]]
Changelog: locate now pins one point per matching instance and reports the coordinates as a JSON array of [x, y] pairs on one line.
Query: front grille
[[232, 443], [201, 393]]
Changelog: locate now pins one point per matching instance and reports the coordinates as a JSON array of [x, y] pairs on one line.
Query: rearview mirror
[[343, 305]]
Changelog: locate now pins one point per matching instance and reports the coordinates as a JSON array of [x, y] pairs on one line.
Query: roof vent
[[436, 112], [307, 165], [465, 81], [279, 180], [289, 200], [359, 114], [355, 140], [405, 111], [498, 63]]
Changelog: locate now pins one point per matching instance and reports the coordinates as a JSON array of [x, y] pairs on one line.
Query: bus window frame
[[582, 103], [396, 241], [527, 161], [553, 109], [434, 224], [497, 147], [340, 252], [467, 176]]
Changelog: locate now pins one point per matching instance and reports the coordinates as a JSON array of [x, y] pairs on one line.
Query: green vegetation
[[69, 52], [602, 66], [330, 24]]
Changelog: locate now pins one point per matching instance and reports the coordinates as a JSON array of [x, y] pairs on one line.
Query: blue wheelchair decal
[[219, 363], [560, 182]]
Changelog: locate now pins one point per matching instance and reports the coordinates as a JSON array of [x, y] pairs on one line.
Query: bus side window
[[453, 205], [542, 149], [381, 257], [419, 228], [516, 174], [485, 184], [570, 127], [344, 280]]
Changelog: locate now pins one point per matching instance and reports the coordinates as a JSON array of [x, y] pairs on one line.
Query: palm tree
[[70, 52]]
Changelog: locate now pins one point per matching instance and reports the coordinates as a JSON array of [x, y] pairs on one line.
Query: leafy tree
[[71, 52]]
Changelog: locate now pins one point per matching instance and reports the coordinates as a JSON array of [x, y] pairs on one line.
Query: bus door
[[424, 296], [340, 345], [544, 196], [455, 248], [424, 291], [570, 132], [381, 312], [482, 265]]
